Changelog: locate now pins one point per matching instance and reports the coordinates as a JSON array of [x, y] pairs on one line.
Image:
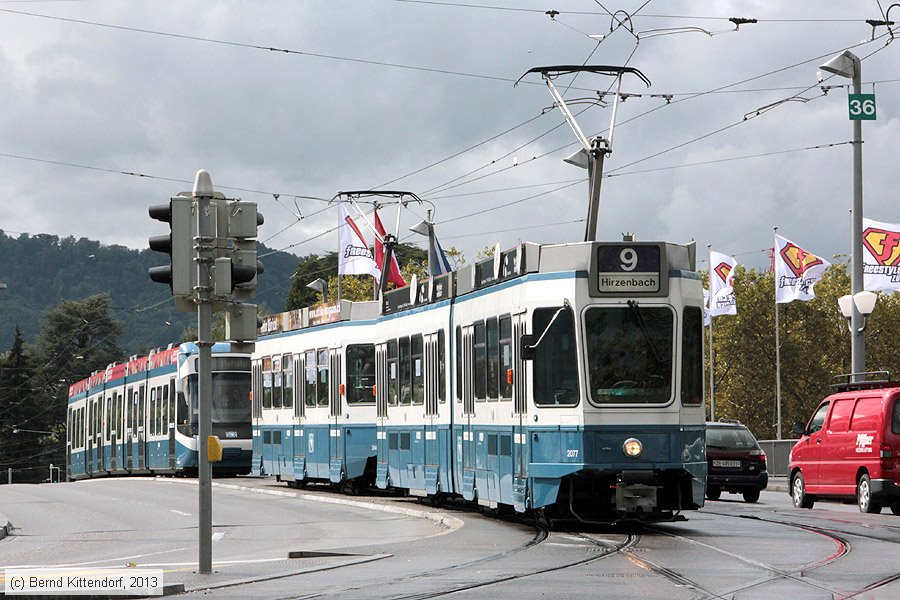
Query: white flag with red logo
[[354, 256], [721, 284], [881, 256], [796, 271]]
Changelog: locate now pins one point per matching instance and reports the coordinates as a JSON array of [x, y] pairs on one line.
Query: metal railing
[[778, 455]]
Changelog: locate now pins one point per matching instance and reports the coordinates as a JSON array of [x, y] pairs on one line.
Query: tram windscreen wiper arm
[[643, 327]]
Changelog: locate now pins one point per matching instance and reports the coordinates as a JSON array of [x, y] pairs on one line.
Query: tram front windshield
[[230, 396], [630, 350]]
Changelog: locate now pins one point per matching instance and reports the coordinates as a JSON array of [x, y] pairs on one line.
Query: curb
[[450, 523]]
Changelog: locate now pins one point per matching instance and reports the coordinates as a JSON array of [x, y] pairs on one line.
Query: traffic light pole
[[205, 248], [213, 267]]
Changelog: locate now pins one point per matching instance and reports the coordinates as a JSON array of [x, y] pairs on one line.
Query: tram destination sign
[[630, 268]]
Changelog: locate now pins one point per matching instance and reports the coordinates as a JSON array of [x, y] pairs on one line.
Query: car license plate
[[231, 435], [727, 464]]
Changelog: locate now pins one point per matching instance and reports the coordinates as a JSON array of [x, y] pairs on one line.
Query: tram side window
[[277, 387], [459, 364], [692, 356], [405, 378], [393, 373], [311, 376], [493, 362], [360, 373], [442, 367], [108, 416], [267, 383], [323, 377], [418, 369], [152, 411], [480, 362], [287, 381], [555, 363], [505, 357], [170, 403]]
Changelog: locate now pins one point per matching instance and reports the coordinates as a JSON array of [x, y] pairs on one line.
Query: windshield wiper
[[633, 305]]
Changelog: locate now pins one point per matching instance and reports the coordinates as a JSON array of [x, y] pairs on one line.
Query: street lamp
[[321, 286], [847, 64], [33, 431], [863, 302], [426, 228]]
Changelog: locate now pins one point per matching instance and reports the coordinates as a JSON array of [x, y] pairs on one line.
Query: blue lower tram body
[[324, 453], [581, 471], [125, 459]]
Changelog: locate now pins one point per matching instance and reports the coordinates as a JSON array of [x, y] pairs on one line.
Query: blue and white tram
[[140, 417], [313, 399], [565, 379]]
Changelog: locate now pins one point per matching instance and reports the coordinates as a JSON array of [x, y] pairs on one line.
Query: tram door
[[298, 453], [465, 438], [131, 406], [169, 408], [382, 370], [336, 441], [141, 429], [432, 376], [520, 410]]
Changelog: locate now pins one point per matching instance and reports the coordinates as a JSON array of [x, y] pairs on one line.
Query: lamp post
[[321, 286], [847, 64]]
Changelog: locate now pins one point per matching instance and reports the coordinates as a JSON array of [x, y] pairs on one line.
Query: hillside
[[43, 269]]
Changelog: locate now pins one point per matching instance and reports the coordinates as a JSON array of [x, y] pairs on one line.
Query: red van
[[850, 448]]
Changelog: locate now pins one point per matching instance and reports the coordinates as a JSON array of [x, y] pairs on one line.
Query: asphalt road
[[386, 547]]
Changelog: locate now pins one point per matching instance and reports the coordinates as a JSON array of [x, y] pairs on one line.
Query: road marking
[[182, 513], [217, 536]]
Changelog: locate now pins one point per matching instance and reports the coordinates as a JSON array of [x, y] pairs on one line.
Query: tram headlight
[[632, 447]]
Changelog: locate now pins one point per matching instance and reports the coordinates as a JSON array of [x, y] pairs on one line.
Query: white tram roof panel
[[516, 262]]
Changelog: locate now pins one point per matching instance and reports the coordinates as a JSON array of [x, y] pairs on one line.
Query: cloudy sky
[[108, 106]]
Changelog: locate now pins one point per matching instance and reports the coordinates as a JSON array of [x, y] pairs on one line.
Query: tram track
[[541, 535], [843, 547]]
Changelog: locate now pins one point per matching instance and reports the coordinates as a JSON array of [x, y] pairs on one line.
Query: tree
[[353, 287], [16, 396], [77, 338], [814, 348]]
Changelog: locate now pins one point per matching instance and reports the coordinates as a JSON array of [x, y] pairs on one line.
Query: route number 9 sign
[[628, 269]]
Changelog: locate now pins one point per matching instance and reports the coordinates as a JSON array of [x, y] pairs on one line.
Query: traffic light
[[181, 273], [241, 322], [236, 265]]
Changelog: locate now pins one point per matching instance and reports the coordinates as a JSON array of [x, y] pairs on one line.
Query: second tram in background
[[562, 379], [140, 417]]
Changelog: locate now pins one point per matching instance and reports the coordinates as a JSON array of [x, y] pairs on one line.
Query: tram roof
[[523, 259]]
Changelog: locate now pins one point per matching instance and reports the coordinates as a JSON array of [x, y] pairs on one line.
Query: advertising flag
[[394, 275], [354, 256], [881, 256], [796, 271], [721, 285]]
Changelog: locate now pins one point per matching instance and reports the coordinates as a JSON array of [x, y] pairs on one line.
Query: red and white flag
[[721, 284], [394, 275], [796, 271], [881, 256], [354, 256]]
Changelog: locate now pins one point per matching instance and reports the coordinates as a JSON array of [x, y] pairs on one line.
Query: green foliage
[[814, 344], [42, 270], [77, 338], [359, 288]]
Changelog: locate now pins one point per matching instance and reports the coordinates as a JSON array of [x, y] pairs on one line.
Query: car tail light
[[887, 457], [758, 455]]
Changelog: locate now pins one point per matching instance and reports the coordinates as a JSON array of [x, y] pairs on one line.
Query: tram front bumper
[[636, 491]]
